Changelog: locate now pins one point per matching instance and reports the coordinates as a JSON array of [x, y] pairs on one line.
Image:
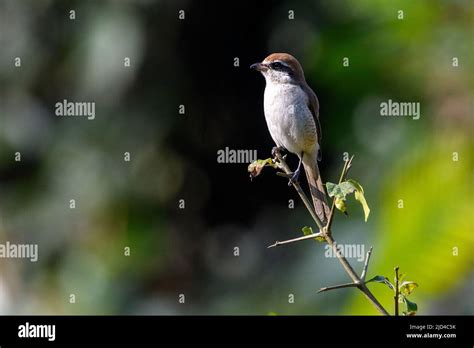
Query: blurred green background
[[190, 62]]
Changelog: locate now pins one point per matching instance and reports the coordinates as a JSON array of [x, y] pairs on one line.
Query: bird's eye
[[277, 66]]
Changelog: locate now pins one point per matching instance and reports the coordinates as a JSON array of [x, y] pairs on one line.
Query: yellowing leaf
[[406, 288], [359, 195], [341, 204], [308, 230], [256, 167]]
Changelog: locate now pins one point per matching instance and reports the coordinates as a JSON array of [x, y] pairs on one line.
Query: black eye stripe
[[279, 67]]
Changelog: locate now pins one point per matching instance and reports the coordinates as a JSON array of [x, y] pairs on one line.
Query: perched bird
[[292, 114]]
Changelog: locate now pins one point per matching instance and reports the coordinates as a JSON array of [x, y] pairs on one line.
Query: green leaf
[[357, 186], [381, 279], [256, 167], [412, 307], [340, 190], [378, 279], [339, 193], [406, 288], [359, 195], [347, 187], [308, 230], [333, 189]]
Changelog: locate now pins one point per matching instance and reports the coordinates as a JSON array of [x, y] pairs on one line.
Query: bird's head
[[280, 68]]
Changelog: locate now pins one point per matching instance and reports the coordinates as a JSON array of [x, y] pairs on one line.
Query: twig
[[326, 233], [396, 291], [347, 285], [357, 282], [309, 236], [366, 265], [345, 170], [347, 266]]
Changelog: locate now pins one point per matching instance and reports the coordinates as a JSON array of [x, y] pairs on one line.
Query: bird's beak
[[258, 67]]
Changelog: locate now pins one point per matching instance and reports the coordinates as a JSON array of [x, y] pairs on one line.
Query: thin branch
[[326, 232], [328, 288], [397, 294], [347, 266], [309, 236], [366, 265], [355, 278]]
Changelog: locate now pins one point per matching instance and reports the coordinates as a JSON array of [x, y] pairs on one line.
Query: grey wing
[[313, 105]]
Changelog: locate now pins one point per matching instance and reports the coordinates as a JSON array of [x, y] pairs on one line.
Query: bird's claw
[[294, 178], [276, 151]]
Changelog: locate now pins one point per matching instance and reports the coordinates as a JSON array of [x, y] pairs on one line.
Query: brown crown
[[288, 59]]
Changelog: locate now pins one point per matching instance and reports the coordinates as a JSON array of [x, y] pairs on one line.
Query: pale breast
[[289, 119]]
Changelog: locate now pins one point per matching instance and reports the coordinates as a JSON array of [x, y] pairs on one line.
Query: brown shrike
[[292, 114]]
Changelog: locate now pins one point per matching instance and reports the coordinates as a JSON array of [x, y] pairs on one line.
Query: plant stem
[[347, 285], [355, 278], [366, 264], [309, 236], [326, 233]]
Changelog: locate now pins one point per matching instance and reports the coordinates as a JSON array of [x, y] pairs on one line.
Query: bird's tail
[[318, 193]]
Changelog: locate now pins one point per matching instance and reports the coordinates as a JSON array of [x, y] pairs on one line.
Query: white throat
[[277, 77]]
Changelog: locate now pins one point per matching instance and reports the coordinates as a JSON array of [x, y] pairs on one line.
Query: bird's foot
[[276, 151], [294, 178]]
